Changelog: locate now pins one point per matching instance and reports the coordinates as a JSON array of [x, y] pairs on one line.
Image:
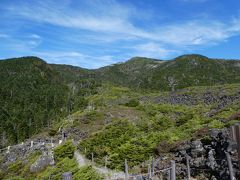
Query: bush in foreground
[[63, 151]]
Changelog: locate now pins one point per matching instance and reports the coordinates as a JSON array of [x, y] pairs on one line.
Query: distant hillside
[[181, 72], [141, 120], [33, 94], [134, 73]]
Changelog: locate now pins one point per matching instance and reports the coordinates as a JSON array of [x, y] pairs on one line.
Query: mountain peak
[[141, 58], [191, 56], [26, 59]]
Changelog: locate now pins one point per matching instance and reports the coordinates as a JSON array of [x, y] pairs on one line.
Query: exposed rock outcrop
[[43, 161], [207, 156]]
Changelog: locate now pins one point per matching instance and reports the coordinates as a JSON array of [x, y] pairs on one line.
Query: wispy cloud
[[153, 50], [19, 44], [35, 36], [117, 23], [102, 16], [76, 58], [92, 26], [197, 32]]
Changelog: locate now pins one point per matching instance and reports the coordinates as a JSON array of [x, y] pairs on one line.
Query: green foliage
[[136, 141], [55, 172], [216, 124], [87, 173], [20, 169], [69, 165], [65, 150], [34, 95], [93, 116], [15, 167], [181, 72], [52, 131], [31, 159], [132, 103], [206, 139], [16, 178]]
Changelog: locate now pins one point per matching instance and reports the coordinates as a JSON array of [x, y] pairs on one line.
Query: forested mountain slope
[[33, 94], [134, 110], [181, 72]]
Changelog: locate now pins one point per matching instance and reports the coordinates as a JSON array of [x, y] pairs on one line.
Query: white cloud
[[20, 44], [75, 58], [195, 33], [153, 50], [103, 16], [113, 21], [108, 21], [35, 36]]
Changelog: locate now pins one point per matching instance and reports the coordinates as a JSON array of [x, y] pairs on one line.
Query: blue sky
[[95, 33]]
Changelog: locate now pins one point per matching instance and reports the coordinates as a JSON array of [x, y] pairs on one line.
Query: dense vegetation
[[66, 163], [19, 170], [64, 151], [181, 72], [33, 95], [147, 128], [132, 110]]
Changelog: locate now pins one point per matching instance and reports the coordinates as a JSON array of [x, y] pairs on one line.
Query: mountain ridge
[[135, 58], [132, 110], [30, 84], [147, 73]]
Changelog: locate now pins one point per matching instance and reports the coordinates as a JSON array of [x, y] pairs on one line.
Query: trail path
[[108, 173]]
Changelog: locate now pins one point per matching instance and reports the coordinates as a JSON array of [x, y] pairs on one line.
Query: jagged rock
[[42, 162], [207, 156], [197, 149], [211, 162]]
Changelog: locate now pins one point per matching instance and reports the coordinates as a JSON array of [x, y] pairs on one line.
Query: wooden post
[[52, 142], [169, 174], [236, 137], [8, 149], [230, 168], [62, 135], [126, 170], [173, 170], [188, 168], [31, 144], [92, 158], [67, 176], [60, 141], [149, 172], [105, 162], [153, 167]]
